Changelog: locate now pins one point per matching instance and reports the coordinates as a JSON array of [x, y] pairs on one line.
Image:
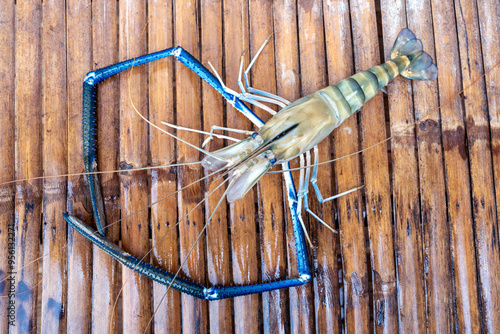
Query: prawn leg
[[314, 179], [304, 189], [90, 144], [272, 98], [253, 96]]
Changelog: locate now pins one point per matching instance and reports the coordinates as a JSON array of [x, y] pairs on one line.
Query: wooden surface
[[417, 249]]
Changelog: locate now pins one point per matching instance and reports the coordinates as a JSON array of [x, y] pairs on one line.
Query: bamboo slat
[[163, 181], [270, 191], [378, 206], [79, 60], [134, 153], [482, 188], [54, 108], [28, 202], [243, 226], [417, 248], [408, 236], [489, 252], [313, 77], [430, 155], [348, 176], [218, 237], [188, 99], [7, 152], [456, 171], [105, 281], [288, 86]]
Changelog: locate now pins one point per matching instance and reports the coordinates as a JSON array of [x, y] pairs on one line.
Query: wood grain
[[188, 92], [348, 175], [490, 39], [417, 248], [79, 251], [28, 202], [106, 280], [244, 238], [408, 228], [134, 153], [270, 190], [165, 237], [218, 236], [54, 119], [288, 86], [7, 151]]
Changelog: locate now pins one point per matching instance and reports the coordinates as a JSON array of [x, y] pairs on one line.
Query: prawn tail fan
[[421, 65]]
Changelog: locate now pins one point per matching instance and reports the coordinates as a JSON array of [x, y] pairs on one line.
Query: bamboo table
[[417, 247]]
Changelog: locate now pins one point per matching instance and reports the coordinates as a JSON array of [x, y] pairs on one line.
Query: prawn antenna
[[191, 250], [161, 239], [168, 133], [116, 222], [99, 172], [200, 131]]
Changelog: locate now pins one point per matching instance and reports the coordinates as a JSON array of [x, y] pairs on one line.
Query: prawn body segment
[[315, 116], [292, 132]]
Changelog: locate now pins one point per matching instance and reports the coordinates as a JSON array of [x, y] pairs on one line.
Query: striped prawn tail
[[407, 59], [412, 62]]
